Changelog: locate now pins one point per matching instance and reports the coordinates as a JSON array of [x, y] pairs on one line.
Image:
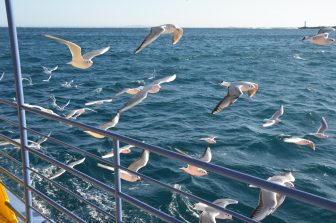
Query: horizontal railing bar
[[191, 196], [64, 166], [10, 157], [226, 172], [148, 208], [56, 205], [18, 214], [59, 186], [57, 141]]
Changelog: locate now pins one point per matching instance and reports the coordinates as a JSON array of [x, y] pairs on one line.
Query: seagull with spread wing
[[79, 60], [323, 127], [156, 31], [275, 117]]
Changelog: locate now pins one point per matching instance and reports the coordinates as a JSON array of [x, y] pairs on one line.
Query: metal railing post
[[117, 181], [21, 112]]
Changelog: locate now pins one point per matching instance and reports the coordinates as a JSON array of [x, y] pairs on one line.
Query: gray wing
[[326, 30], [57, 174], [55, 68], [90, 55], [266, 205], [135, 100], [323, 127], [112, 123], [206, 157], [233, 94], [278, 113], [72, 164], [225, 202], [141, 162], [151, 37]]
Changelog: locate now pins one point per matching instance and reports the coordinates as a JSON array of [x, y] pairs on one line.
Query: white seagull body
[[42, 109], [235, 90], [322, 37], [300, 141], [320, 132], [209, 214], [135, 166], [71, 165], [275, 117], [105, 126], [79, 60], [194, 170], [124, 150], [156, 31], [270, 201], [210, 140], [55, 105], [48, 71], [152, 88]]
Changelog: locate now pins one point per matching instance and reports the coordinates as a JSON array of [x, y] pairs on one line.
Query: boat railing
[[115, 189]]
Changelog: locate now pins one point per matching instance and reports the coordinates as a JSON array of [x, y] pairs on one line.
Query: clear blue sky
[[185, 13]]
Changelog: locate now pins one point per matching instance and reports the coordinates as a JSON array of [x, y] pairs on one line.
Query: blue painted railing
[[25, 182]]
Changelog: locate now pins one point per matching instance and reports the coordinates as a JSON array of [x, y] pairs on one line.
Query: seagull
[[156, 31], [55, 105], [100, 102], [322, 37], [105, 126], [129, 91], [2, 75], [270, 201], [194, 170], [41, 109], [79, 60], [320, 132], [98, 90], [71, 165], [124, 150], [275, 117], [48, 71], [210, 139], [30, 81], [135, 166], [152, 88], [77, 112], [300, 141], [235, 90], [209, 214], [67, 84], [37, 144]]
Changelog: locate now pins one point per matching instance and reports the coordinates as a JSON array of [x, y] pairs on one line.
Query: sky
[[184, 13]]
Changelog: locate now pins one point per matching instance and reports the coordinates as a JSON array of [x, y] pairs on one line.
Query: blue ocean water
[[288, 71]]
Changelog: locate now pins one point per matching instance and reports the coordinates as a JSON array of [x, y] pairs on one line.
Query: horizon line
[[187, 27]]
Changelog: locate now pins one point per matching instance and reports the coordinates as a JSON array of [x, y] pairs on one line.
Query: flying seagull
[[152, 88], [210, 139], [322, 37], [320, 132], [275, 117], [29, 79], [79, 60], [37, 144], [105, 126], [135, 166], [235, 90], [41, 109], [209, 214], [48, 71], [194, 170], [99, 102], [156, 31], [300, 141], [129, 91], [55, 105], [2, 75], [71, 165], [270, 201]]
